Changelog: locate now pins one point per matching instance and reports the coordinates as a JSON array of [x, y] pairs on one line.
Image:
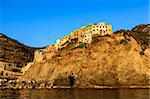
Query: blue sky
[[40, 22]]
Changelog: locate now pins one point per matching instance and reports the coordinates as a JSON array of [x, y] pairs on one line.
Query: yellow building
[[109, 29], [87, 38], [60, 42], [101, 28], [78, 33], [65, 39]]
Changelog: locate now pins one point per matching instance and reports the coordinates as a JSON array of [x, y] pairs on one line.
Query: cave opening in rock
[[71, 80]]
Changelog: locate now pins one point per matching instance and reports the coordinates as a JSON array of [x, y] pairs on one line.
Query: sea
[[76, 94]]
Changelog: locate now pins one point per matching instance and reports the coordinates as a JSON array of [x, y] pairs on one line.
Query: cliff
[[120, 59], [14, 55]]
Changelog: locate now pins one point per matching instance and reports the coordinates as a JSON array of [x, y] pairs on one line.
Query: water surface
[[76, 94]]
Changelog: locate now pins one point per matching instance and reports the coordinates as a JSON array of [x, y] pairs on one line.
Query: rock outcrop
[[14, 54], [111, 60]]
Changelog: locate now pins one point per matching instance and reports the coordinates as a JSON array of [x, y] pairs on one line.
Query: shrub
[[128, 46], [95, 41], [83, 45]]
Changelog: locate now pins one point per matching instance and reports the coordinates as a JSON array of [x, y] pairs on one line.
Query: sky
[[39, 23]]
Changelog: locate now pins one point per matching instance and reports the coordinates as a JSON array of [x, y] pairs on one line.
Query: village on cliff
[[82, 35]]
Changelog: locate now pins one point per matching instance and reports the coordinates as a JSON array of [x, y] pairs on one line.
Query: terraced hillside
[[14, 55]]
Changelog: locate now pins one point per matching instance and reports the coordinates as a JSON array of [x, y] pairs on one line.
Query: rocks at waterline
[[15, 84]]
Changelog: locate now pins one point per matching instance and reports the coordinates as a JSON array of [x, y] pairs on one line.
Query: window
[[103, 26], [97, 29], [2, 73], [94, 30], [106, 29], [100, 27], [106, 26]]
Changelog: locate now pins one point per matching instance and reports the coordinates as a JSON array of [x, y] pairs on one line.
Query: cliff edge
[[120, 59], [14, 55]]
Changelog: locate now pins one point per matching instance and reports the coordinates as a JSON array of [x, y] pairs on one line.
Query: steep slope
[[142, 34], [13, 54], [116, 60]]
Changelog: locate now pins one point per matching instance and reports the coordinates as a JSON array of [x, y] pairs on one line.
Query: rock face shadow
[[71, 80]]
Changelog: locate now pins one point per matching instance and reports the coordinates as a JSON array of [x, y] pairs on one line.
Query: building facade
[[87, 38], [85, 33], [101, 29]]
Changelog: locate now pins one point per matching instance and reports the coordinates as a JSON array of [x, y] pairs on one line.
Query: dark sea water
[[76, 94]]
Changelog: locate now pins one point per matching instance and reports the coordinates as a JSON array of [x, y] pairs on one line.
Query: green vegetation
[[96, 36], [89, 25], [71, 44], [142, 38], [140, 33], [126, 44], [95, 39], [82, 45], [74, 41], [128, 47]]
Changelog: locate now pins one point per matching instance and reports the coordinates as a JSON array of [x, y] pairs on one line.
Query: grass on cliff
[[142, 38], [126, 44], [82, 45], [95, 39]]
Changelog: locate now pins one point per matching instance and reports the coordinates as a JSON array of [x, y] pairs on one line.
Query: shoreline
[[68, 87], [19, 85]]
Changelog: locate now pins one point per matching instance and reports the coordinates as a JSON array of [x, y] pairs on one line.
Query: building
[[86, 38], [58, 43], [85, 33], [101, 29]]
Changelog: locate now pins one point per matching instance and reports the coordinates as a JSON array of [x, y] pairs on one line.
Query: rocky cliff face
[[142, 34], [111, 60], [14, 54]]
